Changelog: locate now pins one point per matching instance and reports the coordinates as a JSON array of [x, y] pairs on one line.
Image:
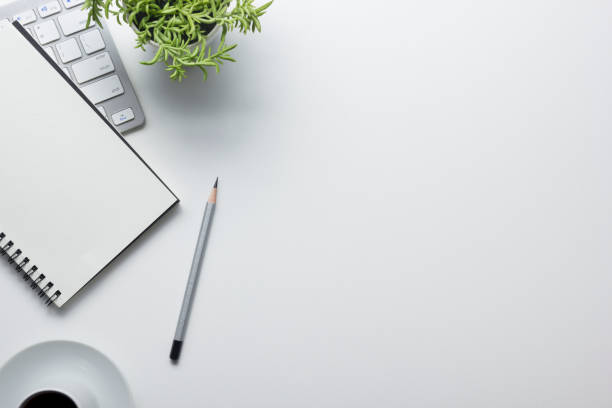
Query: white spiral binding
[[22, 265]]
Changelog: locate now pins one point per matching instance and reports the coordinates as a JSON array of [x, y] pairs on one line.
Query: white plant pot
[[211, 39]]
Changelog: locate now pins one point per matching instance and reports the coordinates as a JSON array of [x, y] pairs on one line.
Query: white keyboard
[[86, 55]]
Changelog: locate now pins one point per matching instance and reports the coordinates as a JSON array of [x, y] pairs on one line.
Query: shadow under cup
[[48, 399]]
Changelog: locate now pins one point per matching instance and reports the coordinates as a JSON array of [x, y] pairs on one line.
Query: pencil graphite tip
[[216, 181]]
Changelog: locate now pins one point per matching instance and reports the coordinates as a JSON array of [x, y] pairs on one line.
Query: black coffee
[[48, 399]]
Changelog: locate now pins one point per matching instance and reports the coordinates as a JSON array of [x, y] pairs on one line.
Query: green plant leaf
[[180, 28]]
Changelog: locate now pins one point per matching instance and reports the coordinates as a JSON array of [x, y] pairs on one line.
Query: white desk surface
[[414, 210]]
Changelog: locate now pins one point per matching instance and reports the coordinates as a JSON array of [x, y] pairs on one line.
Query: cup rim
[[47, 389]]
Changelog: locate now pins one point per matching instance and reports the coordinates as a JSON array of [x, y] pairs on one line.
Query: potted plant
[[182, 30]]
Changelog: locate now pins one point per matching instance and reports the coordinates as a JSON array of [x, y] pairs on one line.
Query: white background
[[414, 210]]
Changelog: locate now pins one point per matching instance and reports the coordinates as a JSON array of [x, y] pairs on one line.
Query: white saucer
[[55, 363]]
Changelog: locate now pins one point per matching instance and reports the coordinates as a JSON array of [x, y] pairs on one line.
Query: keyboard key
[[93, 67], [49, 9], [102, 111], [25, 17], [72, 3], [123, 116], [46, 32], [68, 50], [103, 90], [92, 41], [73, 22], [50, 52]]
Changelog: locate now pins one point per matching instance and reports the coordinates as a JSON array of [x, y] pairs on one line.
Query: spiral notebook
[[74, 193]]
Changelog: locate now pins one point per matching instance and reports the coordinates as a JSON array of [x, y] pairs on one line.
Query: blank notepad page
[[74, 194]]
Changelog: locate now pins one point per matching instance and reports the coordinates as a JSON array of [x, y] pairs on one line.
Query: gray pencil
[[198, 256]]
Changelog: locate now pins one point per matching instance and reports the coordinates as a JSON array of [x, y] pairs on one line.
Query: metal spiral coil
[[28, 272]]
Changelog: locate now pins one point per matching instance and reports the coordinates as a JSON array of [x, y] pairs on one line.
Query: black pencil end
[[216, 182], [175, 351]]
